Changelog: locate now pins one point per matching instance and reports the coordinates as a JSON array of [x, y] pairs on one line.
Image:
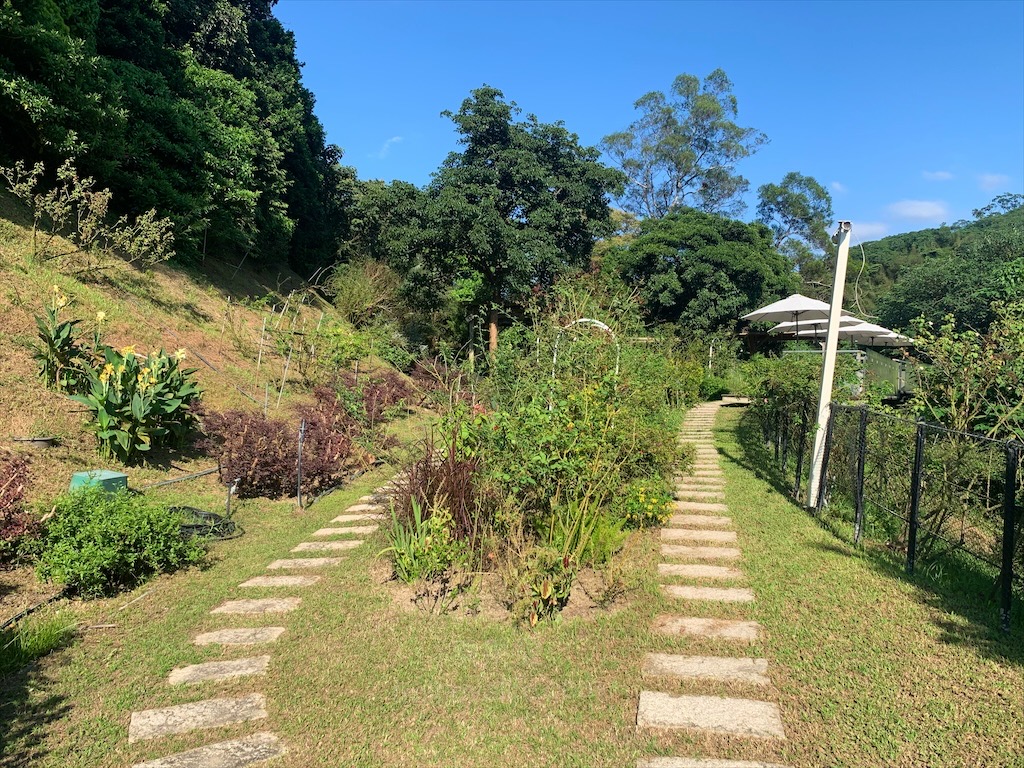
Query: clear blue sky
[[912, 113]]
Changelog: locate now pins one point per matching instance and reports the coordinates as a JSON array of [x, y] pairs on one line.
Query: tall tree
[[798, 208], [521, 204], [701, 270], [683, 149]]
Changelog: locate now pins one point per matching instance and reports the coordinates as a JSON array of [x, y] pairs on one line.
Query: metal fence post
[[298, 484], [858, 480], [1009, 515], [915, 496]]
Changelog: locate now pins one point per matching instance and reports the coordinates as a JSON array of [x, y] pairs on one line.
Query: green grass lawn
[[869, 669]]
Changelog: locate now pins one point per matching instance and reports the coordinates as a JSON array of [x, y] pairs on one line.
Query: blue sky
[[912, 113]]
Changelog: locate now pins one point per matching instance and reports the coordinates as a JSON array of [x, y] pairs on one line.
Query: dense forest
[[194, 110]]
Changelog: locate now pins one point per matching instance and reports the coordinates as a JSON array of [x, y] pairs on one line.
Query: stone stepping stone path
[[351, 530], [700, 762], [722, 629], [212, 713], [739, 670], [244, 636], [216, 712], [219, 670], [701, 527], [738, 717], [281, 581], [305, 562], [700, 553], [236, 753], [267, 605], [698, 534], [698, 521], [699, 571], [712, 594], [326, 546]]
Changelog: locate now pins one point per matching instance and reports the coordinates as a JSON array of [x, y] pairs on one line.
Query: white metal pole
[[828, 367]]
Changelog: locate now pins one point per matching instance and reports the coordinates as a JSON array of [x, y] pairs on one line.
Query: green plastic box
[[105, 478]]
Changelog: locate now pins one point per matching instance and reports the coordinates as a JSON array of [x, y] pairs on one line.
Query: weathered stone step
[[709, 521], [699, 571], [236, 753], [218, 670], [712, 473], [727, 668], [699, 553], [698, 534], [240, 636], [692, 626], [281, 581], [699, 506], [351, 530], [701, 762], [327, 546], [211, 713], [365, 508], [698, 494], [358, 518], [712, 594], [702, 481], [740, 717], [305, 562], [266, 605]]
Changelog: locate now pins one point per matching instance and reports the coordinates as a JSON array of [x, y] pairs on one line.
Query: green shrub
[[644, 503], [98, 543], [424, 547], [539, 587], [713, 387]]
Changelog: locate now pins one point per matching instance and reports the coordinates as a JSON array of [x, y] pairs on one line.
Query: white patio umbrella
[[813, 327], [894, 340], [867, 333], [795, 308]]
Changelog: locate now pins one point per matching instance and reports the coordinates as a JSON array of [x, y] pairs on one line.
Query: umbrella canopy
[[794, 308], [893, 340], [813, 327]]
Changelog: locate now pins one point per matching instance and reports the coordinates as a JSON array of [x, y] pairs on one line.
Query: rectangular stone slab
[[702, 762], [714, 594], [716, 481], [739, 717], [211, 713], [305, 562], [240, 636], [699, 571], [699, 506], [699, 494], [281, 581], [236, 753], [698, 521], [358, 518], [698, 534], [365, 508], [727, 668], [327, 546], [700, 553], [348, 530], [267, 605], [218, 670], [691, 626]]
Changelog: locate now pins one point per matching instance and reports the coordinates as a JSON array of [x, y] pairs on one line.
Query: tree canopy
[[192, 107], [683, 149], [702, 271], [521, 204]]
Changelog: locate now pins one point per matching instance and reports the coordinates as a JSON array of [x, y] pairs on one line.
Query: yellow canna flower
[[129, 350], [179, 355]]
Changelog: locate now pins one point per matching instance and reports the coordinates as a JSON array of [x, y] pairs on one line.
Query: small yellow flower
[[179, 355], [101, 316], [129, 350], [61, 301]]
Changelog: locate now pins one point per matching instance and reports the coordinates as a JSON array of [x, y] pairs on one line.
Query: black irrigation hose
[[32, 608]]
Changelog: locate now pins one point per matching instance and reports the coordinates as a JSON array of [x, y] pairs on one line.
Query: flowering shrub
[[644, 503], [60, 357], [138, 403]]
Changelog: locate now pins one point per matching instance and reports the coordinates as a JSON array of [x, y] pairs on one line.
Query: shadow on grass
[[953, 583], [25, 715]]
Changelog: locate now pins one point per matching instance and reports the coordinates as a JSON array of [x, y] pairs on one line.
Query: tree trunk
[[492, 327]]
